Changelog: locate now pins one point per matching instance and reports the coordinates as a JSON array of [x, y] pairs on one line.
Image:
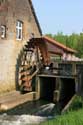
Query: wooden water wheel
[[31, 61]]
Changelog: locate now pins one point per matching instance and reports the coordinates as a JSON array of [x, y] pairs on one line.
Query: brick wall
[[9, 47]]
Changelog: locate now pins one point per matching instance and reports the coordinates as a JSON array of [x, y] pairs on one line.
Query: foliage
[[72, 118], [77, 103], [74, 41], [80, 45]]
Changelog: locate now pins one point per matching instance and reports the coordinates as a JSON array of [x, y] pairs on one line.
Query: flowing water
[[29, 113]]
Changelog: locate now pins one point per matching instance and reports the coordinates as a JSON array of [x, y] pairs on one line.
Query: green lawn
[[71, 118]]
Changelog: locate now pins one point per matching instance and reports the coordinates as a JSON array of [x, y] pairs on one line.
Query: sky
[[59, 15]]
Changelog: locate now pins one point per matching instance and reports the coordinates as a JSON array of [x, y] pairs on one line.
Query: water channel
[[29, 113]]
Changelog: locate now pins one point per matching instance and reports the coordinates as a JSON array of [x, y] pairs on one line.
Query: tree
[[80, 46]]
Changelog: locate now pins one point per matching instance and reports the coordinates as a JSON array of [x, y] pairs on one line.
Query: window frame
[[3, 31], [19, 30]]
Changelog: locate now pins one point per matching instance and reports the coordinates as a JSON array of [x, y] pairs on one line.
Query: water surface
[[28, 113]]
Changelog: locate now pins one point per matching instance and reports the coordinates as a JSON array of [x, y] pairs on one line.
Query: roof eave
[[67, 49]]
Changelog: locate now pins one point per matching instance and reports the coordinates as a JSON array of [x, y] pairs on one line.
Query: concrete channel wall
[[61, 87], [74, 69]]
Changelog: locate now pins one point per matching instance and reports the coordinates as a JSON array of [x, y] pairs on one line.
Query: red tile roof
[[65, 48]]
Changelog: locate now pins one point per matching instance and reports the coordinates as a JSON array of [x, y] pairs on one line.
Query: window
[[3, 31], [19, 25]]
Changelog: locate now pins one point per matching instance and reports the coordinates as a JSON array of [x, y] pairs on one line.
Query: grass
[[71, 118], [76, 104]]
